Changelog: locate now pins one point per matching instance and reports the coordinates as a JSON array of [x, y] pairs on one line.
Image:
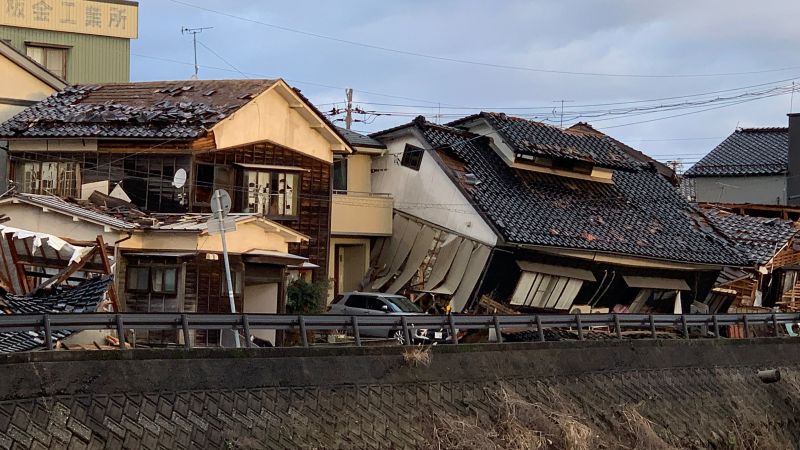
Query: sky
[[624, 66]]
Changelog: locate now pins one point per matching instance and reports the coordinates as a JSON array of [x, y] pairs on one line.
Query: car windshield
[[402, 304]]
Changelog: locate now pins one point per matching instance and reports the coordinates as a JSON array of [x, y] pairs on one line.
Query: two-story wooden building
[[122, 150]]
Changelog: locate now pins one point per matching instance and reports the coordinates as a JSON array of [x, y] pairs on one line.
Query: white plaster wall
[[770, 190], [428, 193]]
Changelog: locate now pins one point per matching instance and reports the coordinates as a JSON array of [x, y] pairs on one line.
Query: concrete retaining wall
[[373, 398]]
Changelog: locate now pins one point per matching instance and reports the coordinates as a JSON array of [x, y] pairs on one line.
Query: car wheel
[[398, 336]]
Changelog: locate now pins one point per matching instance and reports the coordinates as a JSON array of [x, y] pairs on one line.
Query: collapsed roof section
[[760, 238], [87, 297], [638, 215]]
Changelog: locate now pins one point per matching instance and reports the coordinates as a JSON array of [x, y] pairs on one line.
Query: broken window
[[62, 179], [273, 194], [412, 157]]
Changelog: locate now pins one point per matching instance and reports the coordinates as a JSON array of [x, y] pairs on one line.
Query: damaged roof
[[84, 298], [130, 218], [757, 237], [531, 138], [748, 151], [156, 109], [640, 214]]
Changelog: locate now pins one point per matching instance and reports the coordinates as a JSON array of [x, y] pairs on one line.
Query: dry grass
[[640, 430], [419, 356]]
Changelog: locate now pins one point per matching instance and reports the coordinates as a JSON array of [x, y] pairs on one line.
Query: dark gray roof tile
[[748, 151], [640, 214]]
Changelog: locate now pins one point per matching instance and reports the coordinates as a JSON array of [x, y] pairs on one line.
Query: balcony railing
[[654, 325], [362, 213]]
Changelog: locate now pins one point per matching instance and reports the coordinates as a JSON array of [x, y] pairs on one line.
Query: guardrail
[[245, 323]]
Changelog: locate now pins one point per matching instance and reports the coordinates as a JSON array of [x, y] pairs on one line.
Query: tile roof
[[358, 139], [640, 214], [157, 109], [93, 214], [748, 151], [757, 237], [532, 138], [84, 298]]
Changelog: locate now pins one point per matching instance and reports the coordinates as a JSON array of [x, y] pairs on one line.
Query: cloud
[[605, 36]]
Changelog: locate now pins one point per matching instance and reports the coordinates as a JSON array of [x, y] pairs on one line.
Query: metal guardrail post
[[653, 327], [453, 331], [746, 326], [247, 335], [580, 326], [716, 326], [775, 325], [303, 337], [497, 330], [48, 332], [356, 331], [539, 328], [685, 326], [187, 341], [120, 332], [617, 326], [406, 333]]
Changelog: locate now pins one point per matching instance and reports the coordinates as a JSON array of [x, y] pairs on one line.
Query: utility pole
[[194, 32], [561, 124], [348, 118]]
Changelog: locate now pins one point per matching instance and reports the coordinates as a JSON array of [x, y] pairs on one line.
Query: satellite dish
[[221, 203], [179, 180]]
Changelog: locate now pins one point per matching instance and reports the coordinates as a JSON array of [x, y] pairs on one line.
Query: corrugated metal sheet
[[670, 284], [477, 262], [559, 271], [457, 270], [418, 253], [91, 59], [443, 262]]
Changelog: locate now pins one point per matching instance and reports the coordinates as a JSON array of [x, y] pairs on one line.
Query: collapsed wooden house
[[771, 281], [538, 219]]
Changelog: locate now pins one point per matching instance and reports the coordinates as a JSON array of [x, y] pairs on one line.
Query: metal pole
[[217, 198], [196, 69]]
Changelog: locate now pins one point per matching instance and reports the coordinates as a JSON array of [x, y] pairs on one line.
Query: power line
[[471, 62]]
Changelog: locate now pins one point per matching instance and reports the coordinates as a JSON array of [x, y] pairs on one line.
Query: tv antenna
[[561, 123], [194, 32]]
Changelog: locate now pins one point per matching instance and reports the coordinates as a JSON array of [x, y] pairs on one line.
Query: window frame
[[163, 270], [237, 278], [271, 177], [151, 271], [340, 162], [45, 48], [128, 274], [412, 157], [64, 181]]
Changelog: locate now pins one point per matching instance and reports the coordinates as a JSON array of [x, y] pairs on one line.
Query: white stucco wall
[[428, 193], [768, 190]]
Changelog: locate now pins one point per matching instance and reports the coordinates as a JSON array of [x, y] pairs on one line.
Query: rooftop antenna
[[194, 32], [561, 125]]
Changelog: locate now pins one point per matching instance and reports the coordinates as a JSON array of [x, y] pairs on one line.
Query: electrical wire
[[471, 62]]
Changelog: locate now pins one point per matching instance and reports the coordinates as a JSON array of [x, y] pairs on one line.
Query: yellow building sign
[[117, 18]]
